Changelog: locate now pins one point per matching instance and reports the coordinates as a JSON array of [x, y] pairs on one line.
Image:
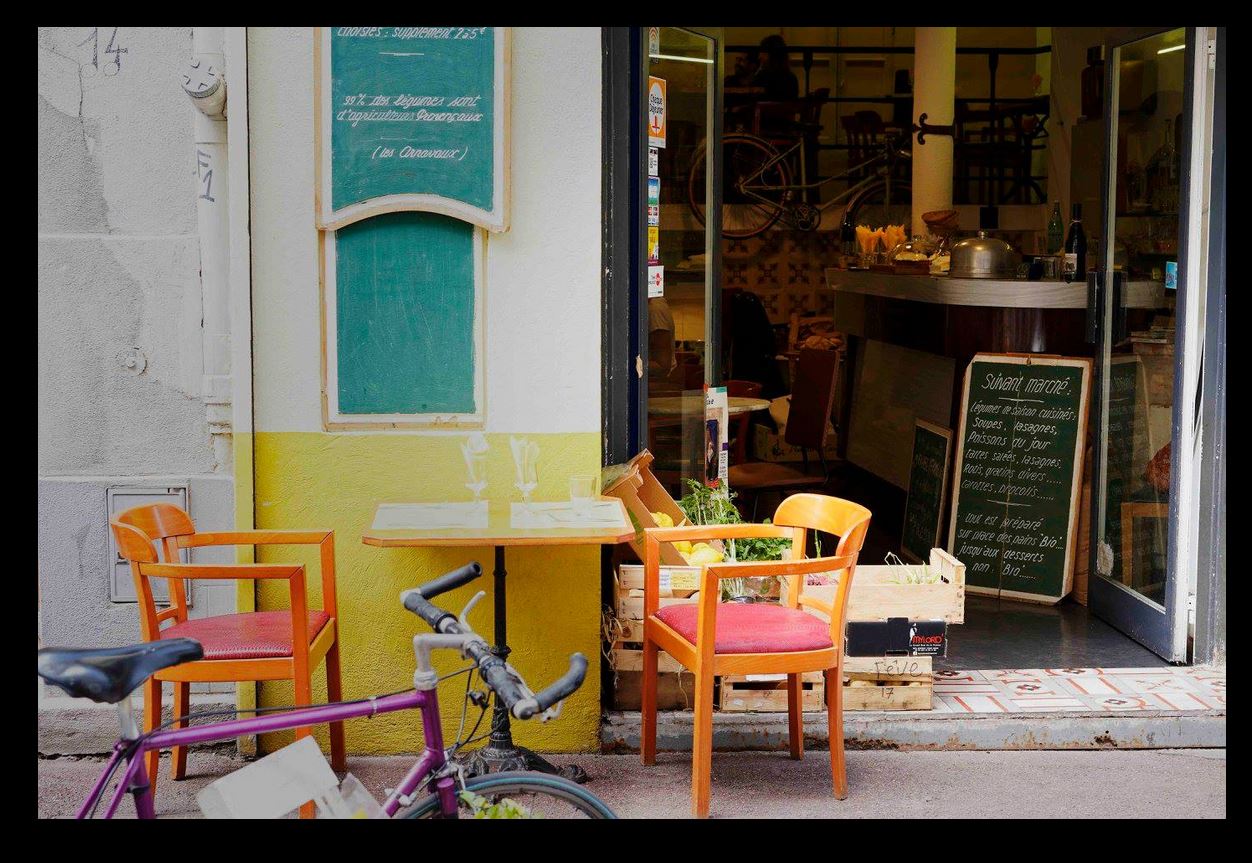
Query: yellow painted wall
[[317, 480]]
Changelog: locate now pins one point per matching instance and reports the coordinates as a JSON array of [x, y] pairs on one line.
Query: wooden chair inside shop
[[782, 123], [739, 424], [812, 399], [260, 645], [864, 131], [714, 638]]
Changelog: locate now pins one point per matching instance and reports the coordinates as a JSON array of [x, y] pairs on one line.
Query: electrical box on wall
[[120, 499]]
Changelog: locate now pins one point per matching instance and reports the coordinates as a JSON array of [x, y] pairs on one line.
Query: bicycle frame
[[882, 158], [135, 778]]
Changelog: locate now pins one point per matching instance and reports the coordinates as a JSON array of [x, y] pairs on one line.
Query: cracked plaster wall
[[119, 283]]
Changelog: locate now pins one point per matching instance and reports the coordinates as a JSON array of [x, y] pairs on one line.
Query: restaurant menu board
[[1128, 452], [928, 490], [412, 118], [1018, 470]]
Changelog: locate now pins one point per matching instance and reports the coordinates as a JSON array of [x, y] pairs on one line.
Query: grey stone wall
[[119, 343]]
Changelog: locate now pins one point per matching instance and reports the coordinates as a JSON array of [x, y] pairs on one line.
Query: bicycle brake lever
[[469, 606]]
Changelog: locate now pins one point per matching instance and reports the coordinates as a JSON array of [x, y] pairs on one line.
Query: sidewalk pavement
[[1160, 783]]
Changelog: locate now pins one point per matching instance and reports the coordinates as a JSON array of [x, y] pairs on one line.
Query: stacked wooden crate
[[675, 685]]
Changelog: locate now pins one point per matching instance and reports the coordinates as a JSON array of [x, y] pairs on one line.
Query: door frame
[[624, 327], [1210, 623], [1130, 613]]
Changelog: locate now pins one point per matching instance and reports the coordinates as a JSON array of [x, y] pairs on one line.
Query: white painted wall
[[119, 278], [542, 310]]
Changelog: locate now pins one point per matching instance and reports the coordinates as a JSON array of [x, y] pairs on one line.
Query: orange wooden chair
[[246, 646], [713, 638]]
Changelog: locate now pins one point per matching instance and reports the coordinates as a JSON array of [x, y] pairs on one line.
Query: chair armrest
[[221, 570], [254, 537], [716, 531], [759, 568]]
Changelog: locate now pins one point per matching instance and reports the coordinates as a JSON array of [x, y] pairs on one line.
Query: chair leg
[[303, 698], [151, 719], [334, 692], [834, 717], [702, 744], [795, 716], [647, 707], [178, 754]]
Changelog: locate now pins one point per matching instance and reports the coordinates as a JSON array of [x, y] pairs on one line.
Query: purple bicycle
[[435, 787]]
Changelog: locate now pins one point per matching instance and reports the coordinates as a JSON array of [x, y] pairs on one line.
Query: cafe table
[[502, 524], [678, 405]]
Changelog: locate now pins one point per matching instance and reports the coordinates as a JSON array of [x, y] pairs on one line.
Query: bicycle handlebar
[[501, 677]]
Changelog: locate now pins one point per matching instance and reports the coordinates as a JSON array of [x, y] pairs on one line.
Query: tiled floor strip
[[1014, 690]]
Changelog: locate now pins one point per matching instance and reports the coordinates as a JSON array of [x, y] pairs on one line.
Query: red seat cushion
[[753, 627], [251, 635]]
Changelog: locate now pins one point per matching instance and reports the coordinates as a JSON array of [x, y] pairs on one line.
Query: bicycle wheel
[[873, 206], [533, 795], [752, 199]]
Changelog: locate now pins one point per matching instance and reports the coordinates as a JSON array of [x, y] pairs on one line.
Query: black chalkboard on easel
[[1018, 474], [928, 491]]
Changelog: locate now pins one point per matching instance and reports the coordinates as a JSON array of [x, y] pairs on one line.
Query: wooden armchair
[[712, 638], [263, 645]]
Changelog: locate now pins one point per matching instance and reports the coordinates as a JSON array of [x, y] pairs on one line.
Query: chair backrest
[[864, 130], [833, 515], [812, 398], [135, 546], [161, 524], [743, 389]]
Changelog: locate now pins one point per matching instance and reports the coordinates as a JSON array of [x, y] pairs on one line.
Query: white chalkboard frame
[[946, 434], [332, 418], [328, 218], [1075, 492]]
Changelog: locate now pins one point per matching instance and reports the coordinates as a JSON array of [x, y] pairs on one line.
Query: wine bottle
[[1075, 247], [1056, 230]]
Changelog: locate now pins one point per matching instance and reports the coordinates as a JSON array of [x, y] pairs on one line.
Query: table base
[[491, 759]]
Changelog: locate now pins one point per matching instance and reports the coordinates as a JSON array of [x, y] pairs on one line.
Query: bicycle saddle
[[107, 675]]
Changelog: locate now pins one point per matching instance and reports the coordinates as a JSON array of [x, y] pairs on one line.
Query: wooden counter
[[994, 293]]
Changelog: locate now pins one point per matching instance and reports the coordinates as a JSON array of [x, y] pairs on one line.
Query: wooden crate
[[767, 693], [643, 495], [875, 596], [888, 682], [673, 691]]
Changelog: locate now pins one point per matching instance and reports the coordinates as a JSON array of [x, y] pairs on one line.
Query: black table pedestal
[[501, 753]]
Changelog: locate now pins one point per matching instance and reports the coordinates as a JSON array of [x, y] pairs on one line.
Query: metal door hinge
[[1191, 602], [1212, 54]]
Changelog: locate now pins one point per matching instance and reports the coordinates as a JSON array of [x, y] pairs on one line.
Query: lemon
[[704, 555], [663, 519], [683, 546]]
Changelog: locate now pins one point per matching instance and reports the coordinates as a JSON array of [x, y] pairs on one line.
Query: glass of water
[[583, 490]]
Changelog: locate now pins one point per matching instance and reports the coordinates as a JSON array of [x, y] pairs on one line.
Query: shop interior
[[1024, 153]]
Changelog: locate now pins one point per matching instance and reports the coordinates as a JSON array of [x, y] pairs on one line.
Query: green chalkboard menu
[[412, 118], [402, 311], [1018, 474], [928, 487]]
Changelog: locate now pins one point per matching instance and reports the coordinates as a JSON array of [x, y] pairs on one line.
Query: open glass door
[[682, 112], [1135, 306]]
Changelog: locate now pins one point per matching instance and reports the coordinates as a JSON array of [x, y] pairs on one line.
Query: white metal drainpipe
[[204, 80]]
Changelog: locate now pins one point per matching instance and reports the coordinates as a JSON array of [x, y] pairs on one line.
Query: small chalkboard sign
[[928, 490], [1018, 474], [412, 118]]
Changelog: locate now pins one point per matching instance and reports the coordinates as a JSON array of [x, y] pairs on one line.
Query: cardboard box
[[897, 636]]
